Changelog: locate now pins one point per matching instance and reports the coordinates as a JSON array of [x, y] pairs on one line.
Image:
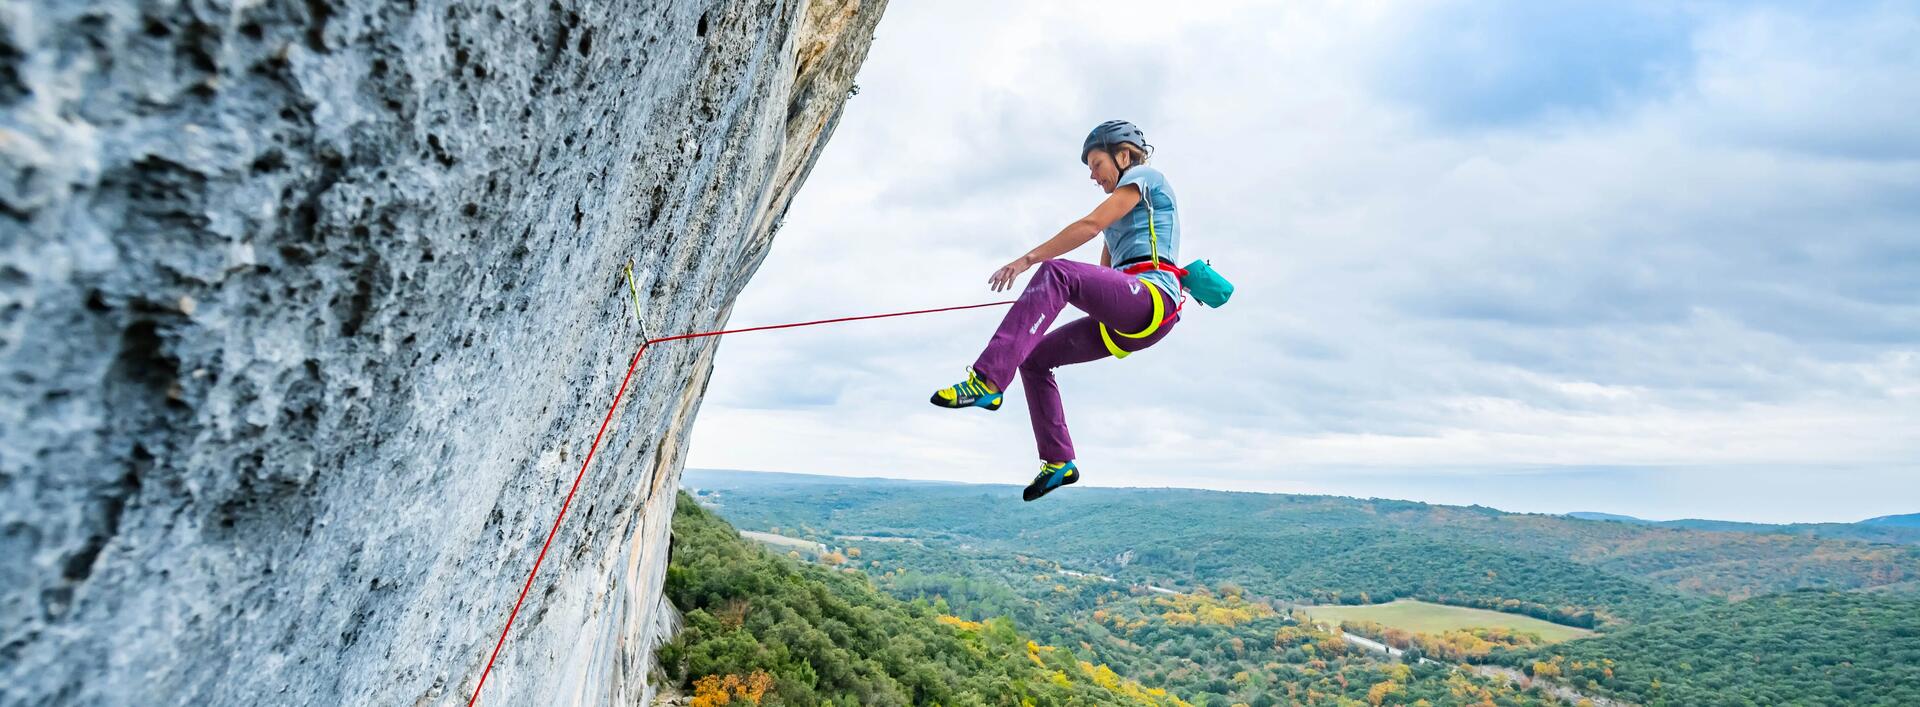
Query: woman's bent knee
[[1036, 371]]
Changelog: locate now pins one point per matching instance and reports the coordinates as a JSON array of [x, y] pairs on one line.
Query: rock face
[[309, 310]]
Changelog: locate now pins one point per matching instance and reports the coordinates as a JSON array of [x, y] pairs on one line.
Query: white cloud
[[1716, 273]]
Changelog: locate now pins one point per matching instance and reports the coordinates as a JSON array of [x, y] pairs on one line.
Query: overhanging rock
[[308, 309]]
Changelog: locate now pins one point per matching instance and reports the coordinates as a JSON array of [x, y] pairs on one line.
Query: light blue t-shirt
[[1129, 238]]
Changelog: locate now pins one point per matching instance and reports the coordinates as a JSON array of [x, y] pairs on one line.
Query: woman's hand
[[1076, 234], [1003, 278]]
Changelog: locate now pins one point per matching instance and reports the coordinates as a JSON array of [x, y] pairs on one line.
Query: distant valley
[[1175, 588], [1902, 529]]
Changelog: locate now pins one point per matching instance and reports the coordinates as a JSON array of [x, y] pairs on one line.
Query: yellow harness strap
[[1159, 307], [1159, 312]]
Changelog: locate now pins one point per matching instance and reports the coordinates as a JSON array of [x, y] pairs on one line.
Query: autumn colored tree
[[1381, 690], [717, 690]]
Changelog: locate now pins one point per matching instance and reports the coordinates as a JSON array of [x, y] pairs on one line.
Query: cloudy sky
[[1655, 258]]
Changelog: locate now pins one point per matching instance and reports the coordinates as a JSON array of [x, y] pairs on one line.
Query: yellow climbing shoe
[[973, 392]]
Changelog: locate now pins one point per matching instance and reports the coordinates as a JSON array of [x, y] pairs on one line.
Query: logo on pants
[[1135, 285], [1035, 329]]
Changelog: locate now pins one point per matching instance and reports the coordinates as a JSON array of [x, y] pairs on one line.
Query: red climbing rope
[[635, 362]]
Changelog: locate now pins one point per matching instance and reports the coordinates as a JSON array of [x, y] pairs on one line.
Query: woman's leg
[[1120, 300], [1076, 342]]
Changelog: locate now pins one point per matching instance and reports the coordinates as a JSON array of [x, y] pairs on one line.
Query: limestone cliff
[[309, 309]]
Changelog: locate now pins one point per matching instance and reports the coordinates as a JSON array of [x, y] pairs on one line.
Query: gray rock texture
[[309, 310]]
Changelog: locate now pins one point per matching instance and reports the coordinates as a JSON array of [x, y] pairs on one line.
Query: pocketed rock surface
[[309, 311]]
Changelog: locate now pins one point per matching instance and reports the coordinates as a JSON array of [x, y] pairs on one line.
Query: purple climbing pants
[[1123, 302]]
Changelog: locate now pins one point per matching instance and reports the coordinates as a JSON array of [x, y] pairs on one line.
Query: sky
[[1651, 258]]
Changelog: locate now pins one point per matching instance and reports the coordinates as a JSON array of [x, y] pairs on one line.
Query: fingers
[[1001, 280]]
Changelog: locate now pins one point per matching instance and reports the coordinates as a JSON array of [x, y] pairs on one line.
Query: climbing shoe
[[972, 392], [1053, 475]]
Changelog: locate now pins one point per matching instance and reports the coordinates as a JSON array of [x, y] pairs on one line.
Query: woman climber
[[1132, 293]]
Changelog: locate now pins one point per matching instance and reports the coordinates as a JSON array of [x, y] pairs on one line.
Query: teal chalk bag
[[1206, 284]]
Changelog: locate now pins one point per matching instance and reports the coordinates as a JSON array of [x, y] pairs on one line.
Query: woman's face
[[1102, 170]]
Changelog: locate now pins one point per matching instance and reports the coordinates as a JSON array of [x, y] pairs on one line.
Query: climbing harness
[[1160, 317], [1197, 277], [1159, 309]]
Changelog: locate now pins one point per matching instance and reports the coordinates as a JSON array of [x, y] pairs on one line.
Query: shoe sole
[[1044, 491], [939, 402]]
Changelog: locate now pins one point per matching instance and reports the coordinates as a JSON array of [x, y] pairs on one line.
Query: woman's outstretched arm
[[1073, 236]]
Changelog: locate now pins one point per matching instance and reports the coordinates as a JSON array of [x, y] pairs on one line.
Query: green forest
[[1805, 647], [768, 629], [1195, 592], [1311, 547]]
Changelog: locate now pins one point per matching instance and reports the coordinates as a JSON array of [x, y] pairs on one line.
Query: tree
[[1380, 690], [715, 690]]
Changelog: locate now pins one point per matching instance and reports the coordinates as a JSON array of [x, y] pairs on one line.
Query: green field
[[1422, 617], [784, 541]]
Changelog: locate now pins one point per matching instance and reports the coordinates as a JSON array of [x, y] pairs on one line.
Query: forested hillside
[[766, 629], [1197, 591], [1903, 529], [1798, 648], [1332, 549], [789, 633]]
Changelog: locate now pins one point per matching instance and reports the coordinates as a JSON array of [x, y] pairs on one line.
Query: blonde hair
[[1135, 155]]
